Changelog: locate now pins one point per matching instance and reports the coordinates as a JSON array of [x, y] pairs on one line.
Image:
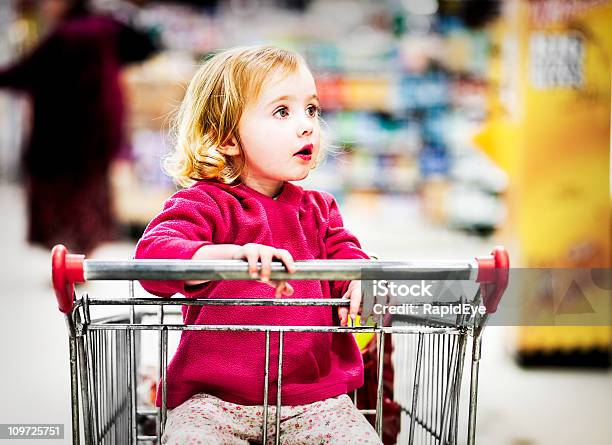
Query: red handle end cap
[[66, 269]]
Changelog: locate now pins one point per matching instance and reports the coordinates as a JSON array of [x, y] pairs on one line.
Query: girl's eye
[[282, 112], [313, 110]]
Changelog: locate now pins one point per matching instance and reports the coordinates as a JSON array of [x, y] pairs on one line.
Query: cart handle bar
[[67, 269]]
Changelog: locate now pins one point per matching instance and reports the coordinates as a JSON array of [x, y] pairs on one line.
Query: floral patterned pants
[[208, 420]]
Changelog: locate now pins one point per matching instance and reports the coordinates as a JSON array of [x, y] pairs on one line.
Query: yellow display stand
[[549, 128]]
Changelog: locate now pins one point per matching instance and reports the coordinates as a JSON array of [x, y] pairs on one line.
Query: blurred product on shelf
[[156, 87], [473, 201]]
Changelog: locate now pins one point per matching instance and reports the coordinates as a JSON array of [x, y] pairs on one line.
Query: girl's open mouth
[[305, 153]]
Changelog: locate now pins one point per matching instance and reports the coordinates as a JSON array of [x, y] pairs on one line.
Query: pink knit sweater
[[230, 365]]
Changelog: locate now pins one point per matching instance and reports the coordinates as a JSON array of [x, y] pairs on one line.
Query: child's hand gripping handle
[[67, 269], [493, 274]]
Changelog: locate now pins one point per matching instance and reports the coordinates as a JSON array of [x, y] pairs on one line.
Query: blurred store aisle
[[515, 407]]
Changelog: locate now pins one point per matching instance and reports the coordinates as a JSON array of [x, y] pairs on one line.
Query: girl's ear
[[230, 147]]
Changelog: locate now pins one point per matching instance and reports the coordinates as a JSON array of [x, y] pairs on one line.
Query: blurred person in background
[[77, 129]]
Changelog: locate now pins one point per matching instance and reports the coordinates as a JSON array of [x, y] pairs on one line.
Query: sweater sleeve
[[186, 223], [25, 73], [340, 244]]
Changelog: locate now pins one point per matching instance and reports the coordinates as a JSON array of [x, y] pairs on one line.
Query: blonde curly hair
[[212, 107]]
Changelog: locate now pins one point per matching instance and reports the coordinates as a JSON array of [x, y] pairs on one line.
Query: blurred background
[[460, 125]]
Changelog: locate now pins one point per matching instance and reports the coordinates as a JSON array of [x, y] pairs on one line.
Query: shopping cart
[[429, 354]]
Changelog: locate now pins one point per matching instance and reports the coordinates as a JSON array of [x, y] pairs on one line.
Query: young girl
[[249, 125]]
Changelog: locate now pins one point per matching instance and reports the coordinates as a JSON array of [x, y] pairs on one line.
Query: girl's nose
[[305, 126]]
